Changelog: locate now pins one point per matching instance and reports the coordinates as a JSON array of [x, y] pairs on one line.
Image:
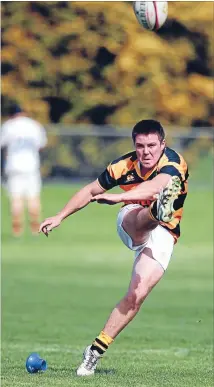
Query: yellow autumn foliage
[[91, 54]]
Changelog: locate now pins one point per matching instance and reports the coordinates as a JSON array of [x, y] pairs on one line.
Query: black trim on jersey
[[172, 155], [106, 181], [171, 170], [131, 155], [175, 230], [179, 202], [186, 174]]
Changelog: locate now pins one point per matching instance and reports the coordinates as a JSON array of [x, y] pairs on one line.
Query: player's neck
[[143, 170]]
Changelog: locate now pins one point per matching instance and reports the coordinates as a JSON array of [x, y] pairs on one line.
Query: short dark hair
[[147, 127]]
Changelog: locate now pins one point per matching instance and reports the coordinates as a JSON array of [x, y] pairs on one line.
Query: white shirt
[[23, 138]]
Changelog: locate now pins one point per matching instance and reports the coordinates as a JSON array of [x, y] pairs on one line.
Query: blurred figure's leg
[[15, 186], [34, 209], [17, 214], [33, 201]]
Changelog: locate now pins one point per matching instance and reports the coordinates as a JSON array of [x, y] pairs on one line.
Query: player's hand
[[107, 198], [49, 224]]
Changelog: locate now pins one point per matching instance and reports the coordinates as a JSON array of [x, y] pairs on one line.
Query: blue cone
[[34, 363]]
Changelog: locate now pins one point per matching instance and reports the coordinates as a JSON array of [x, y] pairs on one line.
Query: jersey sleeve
[[116, 171], [107, 179]]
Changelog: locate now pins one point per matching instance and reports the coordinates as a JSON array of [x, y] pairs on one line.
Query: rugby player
[[154, 180], [23, 138]]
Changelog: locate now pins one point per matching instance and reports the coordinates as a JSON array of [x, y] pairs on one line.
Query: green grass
[[58, 292]]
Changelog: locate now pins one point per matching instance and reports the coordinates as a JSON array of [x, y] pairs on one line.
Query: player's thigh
[[134, 220], [16, 187], [128, 213], [129, 224]]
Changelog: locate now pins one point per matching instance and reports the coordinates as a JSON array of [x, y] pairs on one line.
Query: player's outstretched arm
[[144, 191], [81, 199]]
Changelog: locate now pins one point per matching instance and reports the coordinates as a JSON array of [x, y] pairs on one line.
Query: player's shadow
[[105, 372], [100, 372], [5, 235], [8, 237], [72, 371]]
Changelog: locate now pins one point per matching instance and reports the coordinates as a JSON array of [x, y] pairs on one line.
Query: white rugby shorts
[[161, 242], [26, 185]]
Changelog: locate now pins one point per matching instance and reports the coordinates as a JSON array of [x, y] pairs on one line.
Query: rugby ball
[[151, 14]]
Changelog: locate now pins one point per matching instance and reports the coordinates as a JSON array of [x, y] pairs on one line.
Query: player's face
[[149, 149]]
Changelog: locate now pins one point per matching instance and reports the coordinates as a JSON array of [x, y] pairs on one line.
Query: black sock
[[99, 346]]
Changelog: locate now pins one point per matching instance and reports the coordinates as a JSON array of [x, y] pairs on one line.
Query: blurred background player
[[22, 138]]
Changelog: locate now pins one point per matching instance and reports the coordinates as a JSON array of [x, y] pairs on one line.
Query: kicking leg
[[139, 222]]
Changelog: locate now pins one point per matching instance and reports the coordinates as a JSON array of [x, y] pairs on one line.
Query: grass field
[[58, 292]]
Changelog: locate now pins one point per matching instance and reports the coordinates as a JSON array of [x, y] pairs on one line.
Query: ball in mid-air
[[151, 14]]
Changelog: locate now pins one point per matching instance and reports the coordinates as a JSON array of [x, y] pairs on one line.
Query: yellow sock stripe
[[105, 338]]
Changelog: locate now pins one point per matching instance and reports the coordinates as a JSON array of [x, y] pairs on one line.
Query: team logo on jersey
[[129, 178]]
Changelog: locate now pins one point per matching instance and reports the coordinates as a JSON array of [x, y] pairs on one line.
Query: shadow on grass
[[105, 372], [72, 372], [7, 237]]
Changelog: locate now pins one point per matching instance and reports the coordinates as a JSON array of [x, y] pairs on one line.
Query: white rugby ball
[[151, 14]]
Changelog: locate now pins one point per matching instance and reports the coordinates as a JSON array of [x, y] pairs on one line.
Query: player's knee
[[134, 299], [130, 300]]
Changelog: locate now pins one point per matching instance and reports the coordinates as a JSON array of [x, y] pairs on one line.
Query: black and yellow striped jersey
[[126, 173]]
